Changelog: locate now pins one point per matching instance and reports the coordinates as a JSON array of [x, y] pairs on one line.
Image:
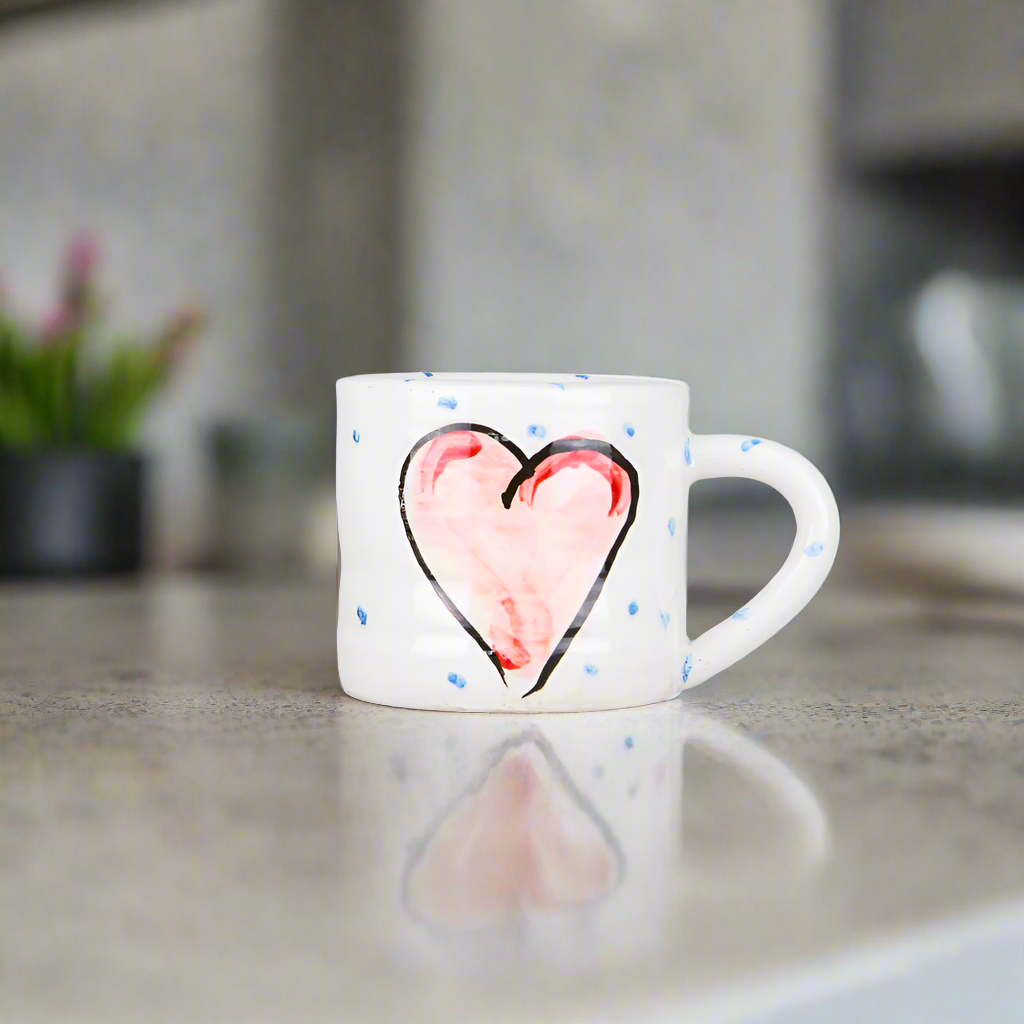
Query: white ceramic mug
[[517, 542]]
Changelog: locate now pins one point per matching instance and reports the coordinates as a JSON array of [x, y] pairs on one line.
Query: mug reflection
[[561, 848], [523, 840]]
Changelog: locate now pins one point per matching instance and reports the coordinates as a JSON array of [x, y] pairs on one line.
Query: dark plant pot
[[70, 512]]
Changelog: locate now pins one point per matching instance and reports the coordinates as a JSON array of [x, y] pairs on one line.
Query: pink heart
[[517, 548], [523, 839]]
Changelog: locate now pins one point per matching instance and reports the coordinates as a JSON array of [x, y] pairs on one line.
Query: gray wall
[[624, 187], [336, 248]]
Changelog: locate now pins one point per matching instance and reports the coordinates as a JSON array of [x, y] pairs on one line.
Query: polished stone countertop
[[196, 825]]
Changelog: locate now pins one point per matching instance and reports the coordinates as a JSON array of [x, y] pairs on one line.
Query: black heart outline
[[528, 466], [534, 737]]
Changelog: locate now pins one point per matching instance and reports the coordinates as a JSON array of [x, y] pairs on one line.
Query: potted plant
[[71, 403]]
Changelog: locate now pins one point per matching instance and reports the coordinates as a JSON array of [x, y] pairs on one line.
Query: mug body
[[512, 542]]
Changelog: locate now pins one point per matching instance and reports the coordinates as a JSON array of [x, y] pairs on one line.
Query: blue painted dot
[[355, 436], [361, 613], [448, 402], [749, 443], [629, 742], [687, 667], [665, 619], [536, 430], [629, 429], [555, 384], [591, 670], [671, 527], [815, 549], [686, 453], [427, 374], [633, 607], [743, 613], [583, 376], [456, 680]]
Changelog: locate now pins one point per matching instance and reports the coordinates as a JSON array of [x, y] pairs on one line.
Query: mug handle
[[803, 572]]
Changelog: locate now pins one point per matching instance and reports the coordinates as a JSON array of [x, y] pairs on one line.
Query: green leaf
[[117, 397], [50, 393], [19, 419], [18, 424]]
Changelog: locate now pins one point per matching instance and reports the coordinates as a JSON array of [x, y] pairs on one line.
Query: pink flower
[[82, 256], [55, 323]]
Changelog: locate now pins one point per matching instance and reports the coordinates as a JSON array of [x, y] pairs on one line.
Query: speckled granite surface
[[195, 825]]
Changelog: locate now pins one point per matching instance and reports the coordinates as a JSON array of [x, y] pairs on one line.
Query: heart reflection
[[523, 840]]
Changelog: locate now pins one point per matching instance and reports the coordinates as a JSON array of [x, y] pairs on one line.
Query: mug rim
[[470, 378]]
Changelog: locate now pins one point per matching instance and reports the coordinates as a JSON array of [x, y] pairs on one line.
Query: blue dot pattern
[[536, 430], [629, 429], [591, 670], [633, 607], [665, 619], [355, 436], [427, 374], [361, 614], [743, 613], [687, 668], [456, 680], [671, 527], [555, 384], [749, 443], [629, 742], [583, 376], [815, 549], [448, 402], [686, 453]]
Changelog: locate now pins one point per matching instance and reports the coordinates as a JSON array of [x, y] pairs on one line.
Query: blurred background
[[810, 211]]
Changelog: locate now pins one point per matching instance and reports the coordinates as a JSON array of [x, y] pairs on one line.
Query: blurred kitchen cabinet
[[927, 79], [927, 248]]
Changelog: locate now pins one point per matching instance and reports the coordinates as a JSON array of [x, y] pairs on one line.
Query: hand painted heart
[[517, 548], [523, 840]]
